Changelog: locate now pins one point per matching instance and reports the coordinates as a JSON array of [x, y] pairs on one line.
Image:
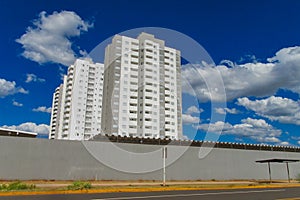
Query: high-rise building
[[55, 113], [142, 88], [77, 103]]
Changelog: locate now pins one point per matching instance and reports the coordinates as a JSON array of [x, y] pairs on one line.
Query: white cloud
[[10, 88], [15, 103], [184, 137], [30, 127], [248, 58], [42, 109], [224, 111], [285, 143], [33, 78], [48, 40], [194, 110], [214, 127], [274, 108], [62, 73], [250, 79], [188, 119], [256, 129], [228, 63]]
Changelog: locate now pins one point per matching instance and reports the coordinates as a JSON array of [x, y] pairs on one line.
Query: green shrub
[[3, 187], [78, 185], [16, 186]]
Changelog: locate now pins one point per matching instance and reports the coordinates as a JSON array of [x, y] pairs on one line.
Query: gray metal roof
[[18, 133]]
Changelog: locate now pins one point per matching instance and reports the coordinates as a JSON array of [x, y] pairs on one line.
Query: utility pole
[[164, 155]]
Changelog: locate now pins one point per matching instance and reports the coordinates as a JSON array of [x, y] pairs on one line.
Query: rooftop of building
[[16, 133], [194, 143]]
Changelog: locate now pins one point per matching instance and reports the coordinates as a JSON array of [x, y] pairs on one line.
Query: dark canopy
[[278, 160]]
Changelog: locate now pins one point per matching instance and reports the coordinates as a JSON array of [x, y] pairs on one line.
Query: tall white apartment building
[[55, 113], [142, 88], [77, 103]]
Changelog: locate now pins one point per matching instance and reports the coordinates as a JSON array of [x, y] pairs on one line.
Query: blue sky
[[254, 45]]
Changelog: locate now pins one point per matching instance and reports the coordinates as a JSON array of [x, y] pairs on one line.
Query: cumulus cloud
[[224, 111], [285, 143], [42, 129], [15, 103], [42, 109], [188, 119], [255, 79], [48, 40], [10, 88], [274, 108], [62, 73], [256, 129], [214, 127], [228, 63], [248, 58], [194, 110], [33, 78]]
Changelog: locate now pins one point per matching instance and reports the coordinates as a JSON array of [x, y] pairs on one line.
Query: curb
[[128, 189]]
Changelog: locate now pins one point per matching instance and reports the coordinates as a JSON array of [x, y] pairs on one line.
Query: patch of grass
[[16, 186], [78, 185]]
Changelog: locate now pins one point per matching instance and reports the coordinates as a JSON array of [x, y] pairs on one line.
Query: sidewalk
[[57, 184]]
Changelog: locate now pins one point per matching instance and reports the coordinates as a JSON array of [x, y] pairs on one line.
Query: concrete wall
[[27, 158]]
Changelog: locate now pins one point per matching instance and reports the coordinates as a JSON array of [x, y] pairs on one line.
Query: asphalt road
[[245, 194]]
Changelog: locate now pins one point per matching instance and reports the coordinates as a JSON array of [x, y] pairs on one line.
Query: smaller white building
[[77, 103]]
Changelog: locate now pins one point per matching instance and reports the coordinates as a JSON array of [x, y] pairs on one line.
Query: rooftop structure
[[17, 133]]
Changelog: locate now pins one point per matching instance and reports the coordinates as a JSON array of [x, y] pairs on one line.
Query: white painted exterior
[[55, 113], [77, 103], [142, 88], [141, 93]]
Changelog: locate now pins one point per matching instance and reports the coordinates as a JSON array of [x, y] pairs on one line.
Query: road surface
[[245, 194]]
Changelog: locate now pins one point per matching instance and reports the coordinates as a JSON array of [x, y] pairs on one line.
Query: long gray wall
[[26, 158]]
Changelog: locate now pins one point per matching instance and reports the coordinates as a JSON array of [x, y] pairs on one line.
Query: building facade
[[142, 88], [77, 103], [137, 92]]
